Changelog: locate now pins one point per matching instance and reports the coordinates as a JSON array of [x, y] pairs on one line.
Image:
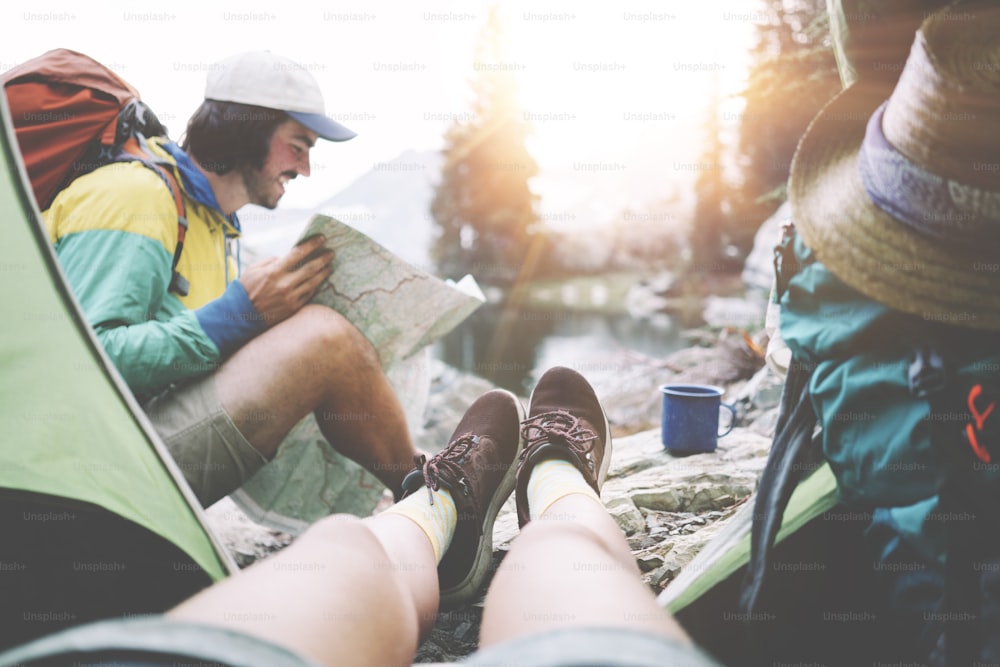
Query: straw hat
[[871, 38], [900, 197]]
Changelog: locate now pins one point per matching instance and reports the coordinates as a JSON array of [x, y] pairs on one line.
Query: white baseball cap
[[263, 79]]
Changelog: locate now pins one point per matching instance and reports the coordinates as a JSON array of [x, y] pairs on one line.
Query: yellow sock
[[551, 480], [438, 521]]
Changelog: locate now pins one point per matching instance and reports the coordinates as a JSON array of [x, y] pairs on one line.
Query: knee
[[578, 537], [352, 546], [545, 530], [337, 530], [353, 549], [326, 334]]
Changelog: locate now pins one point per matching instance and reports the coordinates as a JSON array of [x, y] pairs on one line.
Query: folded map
[[401, 309]]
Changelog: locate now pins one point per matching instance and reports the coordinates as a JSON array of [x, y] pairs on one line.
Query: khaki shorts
[[585, 646], [211, 452], [157, 641], [150, 641]]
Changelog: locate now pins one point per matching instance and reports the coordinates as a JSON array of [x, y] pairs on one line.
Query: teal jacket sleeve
[[121, 280]]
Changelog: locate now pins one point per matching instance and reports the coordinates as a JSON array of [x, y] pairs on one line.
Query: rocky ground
[[668, 507]]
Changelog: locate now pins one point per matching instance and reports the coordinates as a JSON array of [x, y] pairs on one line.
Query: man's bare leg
[[348, 592], [316, 361]]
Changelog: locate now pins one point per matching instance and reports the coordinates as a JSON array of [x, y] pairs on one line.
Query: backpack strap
[[792, 451], [135, 149]]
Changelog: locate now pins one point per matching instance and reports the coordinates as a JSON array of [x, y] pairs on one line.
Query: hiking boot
[[477, 468], [565, 421]]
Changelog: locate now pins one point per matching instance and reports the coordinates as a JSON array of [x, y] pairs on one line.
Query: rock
[[763, 390], [626, 383], [743, 311], [454, 635], [505, 527], [649, 562], [462, 631], [766, 423], [734, 356], [662, 576], [742, 452], [629, 389], [760, 396], [758, 269], [684, 547], [451, 393], [246, 540], [701, 493], [626, 515]]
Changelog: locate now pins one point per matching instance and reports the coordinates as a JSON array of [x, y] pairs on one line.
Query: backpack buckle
[[179, 284], [927, 375], [785, 262]]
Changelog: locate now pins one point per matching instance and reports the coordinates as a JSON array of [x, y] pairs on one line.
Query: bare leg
[[316, 361], [571, 568], [348, 592]]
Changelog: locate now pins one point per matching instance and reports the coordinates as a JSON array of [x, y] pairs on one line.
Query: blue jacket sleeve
[[231, 320]]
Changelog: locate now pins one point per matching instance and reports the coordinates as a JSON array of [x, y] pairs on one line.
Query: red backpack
[[71, 115]]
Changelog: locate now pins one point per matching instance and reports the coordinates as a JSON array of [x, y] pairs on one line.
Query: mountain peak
[[391, 203]]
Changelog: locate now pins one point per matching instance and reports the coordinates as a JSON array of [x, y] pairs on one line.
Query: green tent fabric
[[73, 442]]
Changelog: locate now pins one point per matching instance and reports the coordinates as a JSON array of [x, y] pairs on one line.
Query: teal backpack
[[904, 411]]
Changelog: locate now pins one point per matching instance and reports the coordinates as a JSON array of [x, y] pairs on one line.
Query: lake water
[[506, 345]]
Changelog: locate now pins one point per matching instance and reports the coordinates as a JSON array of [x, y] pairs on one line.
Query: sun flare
[[594, 82]]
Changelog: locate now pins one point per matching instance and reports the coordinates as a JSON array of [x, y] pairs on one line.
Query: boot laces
[[447, 465], [558, 427]]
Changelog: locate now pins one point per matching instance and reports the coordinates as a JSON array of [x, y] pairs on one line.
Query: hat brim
[[868, 249], [324, 126]]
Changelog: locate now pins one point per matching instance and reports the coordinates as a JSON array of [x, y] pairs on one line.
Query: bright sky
[[616, 91]]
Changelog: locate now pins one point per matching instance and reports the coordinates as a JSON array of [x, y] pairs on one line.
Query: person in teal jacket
[[227, 369]]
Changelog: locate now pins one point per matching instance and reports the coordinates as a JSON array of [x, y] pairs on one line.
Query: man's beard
[[260, 190]]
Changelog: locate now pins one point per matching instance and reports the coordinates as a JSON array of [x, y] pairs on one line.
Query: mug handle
[[732, 422]]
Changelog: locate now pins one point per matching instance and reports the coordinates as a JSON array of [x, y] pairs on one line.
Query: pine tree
[[707, 229], [794, 74], [483, 204]]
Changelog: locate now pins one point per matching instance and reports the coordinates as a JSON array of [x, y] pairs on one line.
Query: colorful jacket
[[114, 232]]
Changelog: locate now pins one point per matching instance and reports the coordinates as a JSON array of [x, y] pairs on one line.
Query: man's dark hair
[[223, 136]]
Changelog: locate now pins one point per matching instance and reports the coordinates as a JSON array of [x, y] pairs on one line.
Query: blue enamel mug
[[689, 418]]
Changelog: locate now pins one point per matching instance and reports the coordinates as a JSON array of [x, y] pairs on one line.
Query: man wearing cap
[[226, 363]]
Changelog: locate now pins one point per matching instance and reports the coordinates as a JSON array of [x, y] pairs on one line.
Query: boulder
[[758, 268]]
